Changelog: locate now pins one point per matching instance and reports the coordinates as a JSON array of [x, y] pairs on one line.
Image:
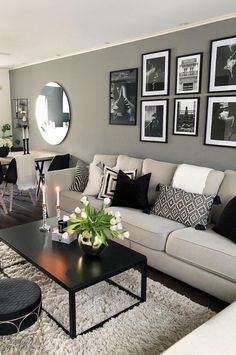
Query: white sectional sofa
[[215, 337], [203, 259]]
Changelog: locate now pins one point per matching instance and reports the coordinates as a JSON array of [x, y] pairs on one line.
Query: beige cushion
[[94, 181], [148, 230], [205, 249], [162, 172], [109, 160], [125, 162], [215, 337], [69, 200], [213, 182], [226, 192]]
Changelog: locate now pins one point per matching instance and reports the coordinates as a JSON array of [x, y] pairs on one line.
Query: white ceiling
[[36, 31]]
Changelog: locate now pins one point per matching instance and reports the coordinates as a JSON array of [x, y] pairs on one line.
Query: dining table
[[40, 157]]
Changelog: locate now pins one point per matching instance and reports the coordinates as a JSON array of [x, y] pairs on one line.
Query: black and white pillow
[[188, 208], [81, 177], [110, 179]]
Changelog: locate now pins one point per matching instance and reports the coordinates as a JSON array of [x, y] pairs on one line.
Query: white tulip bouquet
[[98, 222]]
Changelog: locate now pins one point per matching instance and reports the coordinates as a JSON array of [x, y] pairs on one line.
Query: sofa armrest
[[63, 179]]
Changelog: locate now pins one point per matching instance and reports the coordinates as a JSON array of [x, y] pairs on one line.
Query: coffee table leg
[[72, 315], [143, 281]]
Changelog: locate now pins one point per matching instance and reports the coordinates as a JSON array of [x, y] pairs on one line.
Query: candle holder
[[27, 145], [45, 227], [58, 213], [24, 147]]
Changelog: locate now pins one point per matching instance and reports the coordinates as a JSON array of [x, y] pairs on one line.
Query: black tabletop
[[66, 264]]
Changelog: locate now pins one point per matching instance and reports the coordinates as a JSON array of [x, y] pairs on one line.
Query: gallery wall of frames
[[220, 128]]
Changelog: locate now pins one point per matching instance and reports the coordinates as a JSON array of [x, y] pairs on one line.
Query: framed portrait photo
[[123, 97], [186, 117], [153, 127], [221, 121], [222, 75], [188, 74], [155, 73]]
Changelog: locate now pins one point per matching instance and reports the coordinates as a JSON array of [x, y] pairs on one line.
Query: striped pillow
[[110, 179], [81, 177]]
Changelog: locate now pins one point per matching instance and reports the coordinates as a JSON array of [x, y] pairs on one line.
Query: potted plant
[[5, 141], [95, 225]]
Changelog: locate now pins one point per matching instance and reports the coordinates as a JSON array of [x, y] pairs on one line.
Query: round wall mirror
[[53, 113]]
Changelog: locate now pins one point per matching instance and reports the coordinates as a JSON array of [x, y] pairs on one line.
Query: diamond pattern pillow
[[184, 207], [110, 179]]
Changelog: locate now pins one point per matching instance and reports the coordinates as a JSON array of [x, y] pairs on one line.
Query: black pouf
[[20, 305]]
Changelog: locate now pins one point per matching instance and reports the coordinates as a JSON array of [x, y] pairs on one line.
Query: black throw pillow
[[132, 193], [226, 225]]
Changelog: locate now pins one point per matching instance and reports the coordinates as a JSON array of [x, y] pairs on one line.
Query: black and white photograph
[[154, 121], [221, 121], [123, 97], [188, 74], [223, 65], [186, 117], [155, 73]]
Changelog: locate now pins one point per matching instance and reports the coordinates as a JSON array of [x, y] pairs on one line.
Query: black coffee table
[[70, 268]]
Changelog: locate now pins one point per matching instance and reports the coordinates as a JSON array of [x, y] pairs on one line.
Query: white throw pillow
[[94, 181], [110, 179]]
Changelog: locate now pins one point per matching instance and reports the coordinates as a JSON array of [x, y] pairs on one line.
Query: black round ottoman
[[20, 305]]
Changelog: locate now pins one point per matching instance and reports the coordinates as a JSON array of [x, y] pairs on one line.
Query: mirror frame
[[69, 104]]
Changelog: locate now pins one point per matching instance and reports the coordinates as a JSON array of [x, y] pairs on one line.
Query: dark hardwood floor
[[24, 212]]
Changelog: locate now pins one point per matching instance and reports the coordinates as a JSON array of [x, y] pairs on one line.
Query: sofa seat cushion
[[204, 249], [69, 200], [148, 230]]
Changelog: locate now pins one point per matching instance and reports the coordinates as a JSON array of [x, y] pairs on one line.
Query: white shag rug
[[150, 328]]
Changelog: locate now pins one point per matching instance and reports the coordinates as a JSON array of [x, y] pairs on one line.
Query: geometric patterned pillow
[[184, 207], [110, 180], [81, 177]]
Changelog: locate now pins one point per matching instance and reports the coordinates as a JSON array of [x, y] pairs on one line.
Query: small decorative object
[[63, 237], [223, 65], [62, 224], [154, 121], [186, 117], [5, 141], [123, 96], [155, 73], [188, 74], [45, 227], [58, 204], [221, 121], [94, 225]]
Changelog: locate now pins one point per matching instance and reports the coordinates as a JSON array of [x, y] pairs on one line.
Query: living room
[[137, 120]]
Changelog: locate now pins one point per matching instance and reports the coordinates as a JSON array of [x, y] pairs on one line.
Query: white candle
[[58, 195], [27, 132], [44, 194], [23, 132]]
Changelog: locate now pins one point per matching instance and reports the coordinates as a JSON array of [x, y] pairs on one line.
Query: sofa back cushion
[[109, 160], [124, 162], [226, 192], [213, 182], [162, 172]]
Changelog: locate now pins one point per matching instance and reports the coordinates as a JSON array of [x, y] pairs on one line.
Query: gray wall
[[85, 77]]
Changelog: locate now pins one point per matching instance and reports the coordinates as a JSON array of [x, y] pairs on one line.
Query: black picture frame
[[156, 64], [220, 129], [160, 106], [123, 88], [222, 65], [188, 74], [186, 116]]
